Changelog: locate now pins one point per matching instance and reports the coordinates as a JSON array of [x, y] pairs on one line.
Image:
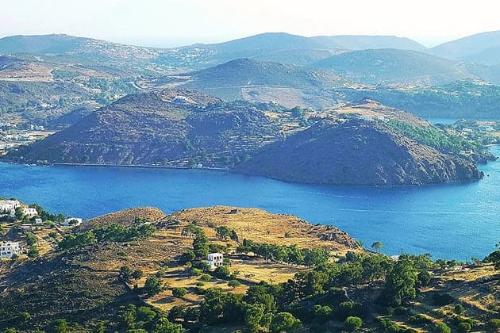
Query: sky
[[179, 22]]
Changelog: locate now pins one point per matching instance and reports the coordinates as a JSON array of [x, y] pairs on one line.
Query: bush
[[179, 292], [442, 328], [205, 277], [222, 272], [60, 326], [459, 309], [353, 323], [284, 322], [234, 283], [464, 327], [152, 286]]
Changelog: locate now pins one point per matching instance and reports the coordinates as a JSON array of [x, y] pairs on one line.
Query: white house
[[30, 212], [215, 260], [38, 220], [9, 206], [9, 249], [72, 222]]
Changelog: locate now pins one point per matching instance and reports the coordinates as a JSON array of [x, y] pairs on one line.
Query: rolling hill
[[360, 42], [391, 66], [481, 48], [251, 80], [284, 48]]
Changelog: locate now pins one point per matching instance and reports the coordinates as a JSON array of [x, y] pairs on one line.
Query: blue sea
[[456, 221]]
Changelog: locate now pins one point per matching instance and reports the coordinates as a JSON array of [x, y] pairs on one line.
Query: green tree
[[200, 245], [19, 213], [284, 322], [179, 292], [163, 325], [254, 313], [353, 323], [423, 278], [322, 312], [401, 282], [33, 251], [60, 326], [128, 316], [464, 327], [125, 273], [31, 239], [442, 328], [152, 286]]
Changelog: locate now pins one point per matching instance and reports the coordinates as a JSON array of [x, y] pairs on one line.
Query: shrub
[[459, 309], [60, 326], [442, 328], [353, 323], [152, 286], [464, 327], [222, 272], [187, 256], [205, 277], [179, 292], [137, 274], [234, 283]]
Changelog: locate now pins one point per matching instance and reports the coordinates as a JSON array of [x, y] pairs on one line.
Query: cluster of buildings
[[8, 207]]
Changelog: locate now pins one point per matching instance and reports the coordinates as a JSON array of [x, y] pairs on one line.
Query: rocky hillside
[[361, 144], [354, 151], [170, 128]]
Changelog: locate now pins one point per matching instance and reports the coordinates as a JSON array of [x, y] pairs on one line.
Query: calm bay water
[[457, 221]]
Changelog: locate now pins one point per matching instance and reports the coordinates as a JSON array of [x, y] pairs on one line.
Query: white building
[[38, 221], [30, 212], [72, 222], [9, 206], [9, 249], [215, 260]]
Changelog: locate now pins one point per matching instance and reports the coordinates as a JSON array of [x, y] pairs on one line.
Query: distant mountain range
[[483, 48], [41, 77], [392, 66]]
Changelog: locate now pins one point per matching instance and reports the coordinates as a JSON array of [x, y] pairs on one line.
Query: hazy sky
[[169, 22]]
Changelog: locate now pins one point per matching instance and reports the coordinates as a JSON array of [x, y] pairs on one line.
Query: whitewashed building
[[30, 212], [9, 249], [9, 206], [215, 260], [38, 220], [72, 222]]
